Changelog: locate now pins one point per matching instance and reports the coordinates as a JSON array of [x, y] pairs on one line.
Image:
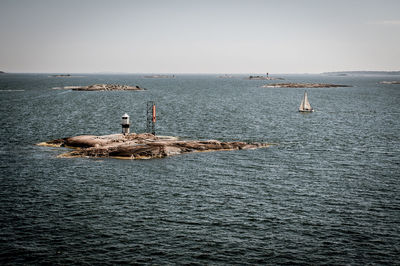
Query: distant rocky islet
[[61, 75], [395, 82], [303, 85], [159, 76], [263, 78], [103, 87]]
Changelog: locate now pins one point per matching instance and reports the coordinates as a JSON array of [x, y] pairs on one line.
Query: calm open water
[[328, 192]]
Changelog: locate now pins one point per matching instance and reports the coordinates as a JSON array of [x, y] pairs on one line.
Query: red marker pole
[[154, 113]]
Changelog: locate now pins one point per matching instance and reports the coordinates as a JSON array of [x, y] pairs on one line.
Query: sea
[[326, 192]]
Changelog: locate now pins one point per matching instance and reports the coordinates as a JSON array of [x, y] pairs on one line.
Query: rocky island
[[263, 78], [1, 72], [159, 76], [60, 75], [302, 85], [390, 82], [104, 87], [141, 146]]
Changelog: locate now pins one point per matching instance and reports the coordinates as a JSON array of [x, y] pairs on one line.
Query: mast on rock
[[151, 117]]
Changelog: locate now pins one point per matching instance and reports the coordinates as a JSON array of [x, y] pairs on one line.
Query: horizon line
[[196, 73]]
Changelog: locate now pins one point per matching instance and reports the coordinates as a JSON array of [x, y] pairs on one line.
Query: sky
[[178, 36]]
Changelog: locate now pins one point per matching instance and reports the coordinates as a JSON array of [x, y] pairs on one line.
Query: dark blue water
[[326, 193]]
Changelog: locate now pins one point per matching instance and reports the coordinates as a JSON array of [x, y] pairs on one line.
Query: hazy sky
[[302, 36]]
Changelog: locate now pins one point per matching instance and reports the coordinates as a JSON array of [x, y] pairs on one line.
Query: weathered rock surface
[[107, 87], [141, 146], [303, 85]]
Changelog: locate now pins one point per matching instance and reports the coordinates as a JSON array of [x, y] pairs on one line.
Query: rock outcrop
[[141, 146], [61, 76], [303, 85], [107, 87], [263, 78], [390, 82]]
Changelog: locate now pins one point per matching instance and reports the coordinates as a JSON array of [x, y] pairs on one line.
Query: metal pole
[[151, 117]]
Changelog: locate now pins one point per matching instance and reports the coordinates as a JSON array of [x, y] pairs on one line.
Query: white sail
[[301, 108], [305, 104]]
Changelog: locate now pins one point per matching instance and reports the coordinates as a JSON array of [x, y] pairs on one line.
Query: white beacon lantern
[[125, 124]]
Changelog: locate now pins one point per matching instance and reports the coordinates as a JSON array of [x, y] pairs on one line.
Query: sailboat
[[305, 105]]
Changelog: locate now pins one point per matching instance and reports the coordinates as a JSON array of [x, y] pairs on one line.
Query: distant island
[[102, 87], [345, 73], [141, 146], [65, 76], [263, 78], [1, 72], [390, 82], [303, 85], [60, 75], [159, 76]]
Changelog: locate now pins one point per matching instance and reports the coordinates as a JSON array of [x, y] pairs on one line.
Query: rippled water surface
[[326, 193]]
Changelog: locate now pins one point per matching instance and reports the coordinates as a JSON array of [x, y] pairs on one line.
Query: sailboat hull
[[306, 111]]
